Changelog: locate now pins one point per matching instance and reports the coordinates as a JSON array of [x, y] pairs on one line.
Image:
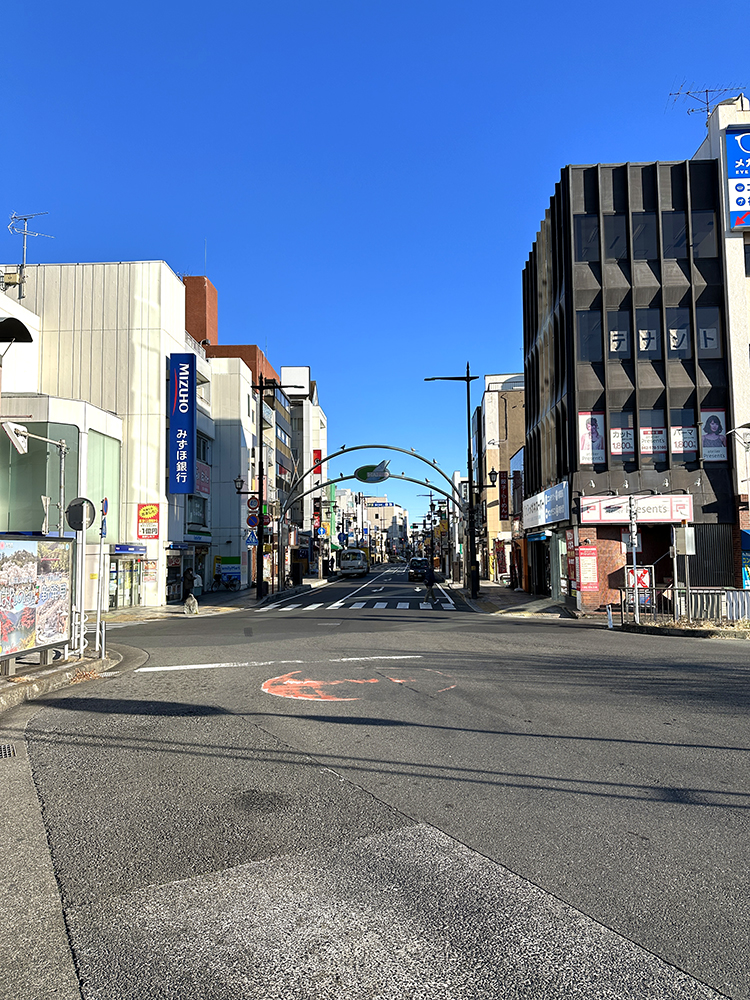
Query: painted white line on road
[[359, 604], [311, 607], [425, 604], [270, 663], [382, 604], [291, 607], [402, 605]]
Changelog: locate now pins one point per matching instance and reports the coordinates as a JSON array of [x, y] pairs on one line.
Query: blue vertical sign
[[738, 176], [182, 421]]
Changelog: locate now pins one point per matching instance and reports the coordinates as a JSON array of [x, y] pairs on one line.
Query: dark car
[[418, 568]]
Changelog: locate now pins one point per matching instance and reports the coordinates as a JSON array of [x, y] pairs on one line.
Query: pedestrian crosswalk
[[412, 605]]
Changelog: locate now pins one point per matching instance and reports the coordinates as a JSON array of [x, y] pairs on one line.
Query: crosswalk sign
[[252, 539]]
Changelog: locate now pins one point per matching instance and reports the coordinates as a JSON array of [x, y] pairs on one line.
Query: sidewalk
[[499, 599]]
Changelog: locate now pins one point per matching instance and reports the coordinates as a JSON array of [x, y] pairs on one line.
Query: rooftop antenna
[[15, 228], [705, 97]]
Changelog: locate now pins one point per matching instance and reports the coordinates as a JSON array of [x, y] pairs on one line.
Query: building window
[[747, 260], [648, 324], [709, 331], [589, 335], [653, 436], [618, 334], [615, 237], [704, 234], [684, 434], [586, 235], [197, 511], [591, 449], [674, 229], [622, 436], [203, 449], [644, 236], [678, 333]]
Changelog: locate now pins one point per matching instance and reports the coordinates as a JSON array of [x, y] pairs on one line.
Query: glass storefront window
[[622, 436]]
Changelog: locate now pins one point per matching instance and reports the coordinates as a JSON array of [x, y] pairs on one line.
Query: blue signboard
[[182, 422], [556, 506], [738, 176]]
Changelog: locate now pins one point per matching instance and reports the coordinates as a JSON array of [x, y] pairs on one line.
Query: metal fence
[[661, 604]]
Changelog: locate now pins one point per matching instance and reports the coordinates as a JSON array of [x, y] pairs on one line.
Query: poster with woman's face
[[714, 435], [591, 448]]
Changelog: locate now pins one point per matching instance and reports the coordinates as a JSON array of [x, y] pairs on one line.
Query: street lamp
[[468, 378]]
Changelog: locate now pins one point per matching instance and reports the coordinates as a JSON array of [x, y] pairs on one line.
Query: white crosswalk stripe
[[367, 605], [401, 605], [382, 604]]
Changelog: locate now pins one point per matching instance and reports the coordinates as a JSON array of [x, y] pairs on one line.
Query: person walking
[[429, 582]]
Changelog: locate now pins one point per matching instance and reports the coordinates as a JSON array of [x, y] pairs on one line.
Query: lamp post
[[239, 482], [468, 378]]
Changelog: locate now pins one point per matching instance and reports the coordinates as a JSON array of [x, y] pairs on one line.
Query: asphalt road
[[354, 793]]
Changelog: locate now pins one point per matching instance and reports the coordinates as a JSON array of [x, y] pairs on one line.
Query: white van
[[354, 562]]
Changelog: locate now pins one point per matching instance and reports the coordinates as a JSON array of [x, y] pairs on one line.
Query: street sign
[[644, 576], [322, 532], [253, 503], [19, 436], [105, 507], [104, 527], [266, 519], [252, 539], [80, 513], [252, 520]]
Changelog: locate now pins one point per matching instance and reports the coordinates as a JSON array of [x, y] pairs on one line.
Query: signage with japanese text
[[738, 175], [588, 574], [547, 507], [657, 509], [148, 521], [503, 485], [182, 423]]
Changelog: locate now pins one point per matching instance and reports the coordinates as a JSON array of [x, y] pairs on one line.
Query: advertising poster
[[503, 495], [591, 438], [621, 441], [570, 551], [35, 594], [653, 440], [588, 575], [684, 439], [714, 435], [148, 521], [738, 176]]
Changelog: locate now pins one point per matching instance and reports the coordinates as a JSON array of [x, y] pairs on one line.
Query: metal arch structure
[[385, 447]]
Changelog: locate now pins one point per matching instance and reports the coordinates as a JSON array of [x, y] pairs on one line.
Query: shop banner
[[738, 175], [35, 594], [590, 431], [621, 441], [148, 521], [714, 435], [657, 509], [684, 439], [182, 423], [203, 478], [570, 552], [503, 483], [653, 440], [547, 507]]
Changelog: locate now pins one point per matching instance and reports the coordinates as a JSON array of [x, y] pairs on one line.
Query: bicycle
[[230, 582]]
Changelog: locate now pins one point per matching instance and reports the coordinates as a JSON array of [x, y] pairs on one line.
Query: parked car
[[418, 567]]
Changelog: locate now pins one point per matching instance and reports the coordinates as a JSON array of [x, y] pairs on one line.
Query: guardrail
[[657, 604]]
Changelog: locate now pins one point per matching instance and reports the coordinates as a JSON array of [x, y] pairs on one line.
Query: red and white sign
[[148, 521], [570, 547], [659, 509], [203, 478], [644, 577], [317, 455], [588, 573]]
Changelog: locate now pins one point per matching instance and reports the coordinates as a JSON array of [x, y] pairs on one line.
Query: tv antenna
[[14, 226], [705, 97]]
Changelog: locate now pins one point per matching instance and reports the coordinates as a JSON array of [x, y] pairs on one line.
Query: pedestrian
[[188, 578], [429, 582]]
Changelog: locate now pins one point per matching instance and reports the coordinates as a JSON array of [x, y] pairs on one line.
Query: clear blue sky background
[[368, 175]]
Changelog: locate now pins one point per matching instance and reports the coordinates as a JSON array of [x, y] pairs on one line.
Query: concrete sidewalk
[[498, 598]]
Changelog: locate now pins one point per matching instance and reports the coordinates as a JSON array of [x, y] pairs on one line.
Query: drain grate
[[7, 750]]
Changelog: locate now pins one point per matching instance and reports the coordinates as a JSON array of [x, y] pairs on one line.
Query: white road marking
[[291, 607], [382, 604], [359, 604], [272, 663], [402, 605], [425, 604], [312, 607]]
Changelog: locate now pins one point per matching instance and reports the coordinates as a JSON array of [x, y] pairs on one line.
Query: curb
[[29, 688], [684, 633]]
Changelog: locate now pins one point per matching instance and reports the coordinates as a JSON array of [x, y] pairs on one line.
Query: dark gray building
[[626, 374]]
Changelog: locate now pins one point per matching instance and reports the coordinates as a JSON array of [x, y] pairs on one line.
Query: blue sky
[[367, 176]]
